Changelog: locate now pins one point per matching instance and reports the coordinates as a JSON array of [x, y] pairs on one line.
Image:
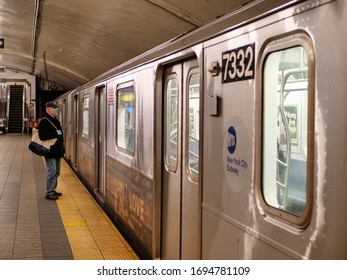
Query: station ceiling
[[69, 42]]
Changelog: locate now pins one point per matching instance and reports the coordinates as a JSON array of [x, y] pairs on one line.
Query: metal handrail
[[283, 96]]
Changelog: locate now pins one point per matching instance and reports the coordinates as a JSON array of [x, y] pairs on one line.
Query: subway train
[[228, 142]]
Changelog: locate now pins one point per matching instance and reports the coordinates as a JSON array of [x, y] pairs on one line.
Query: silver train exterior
[[228, 142]]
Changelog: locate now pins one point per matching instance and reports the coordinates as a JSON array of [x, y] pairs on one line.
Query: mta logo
[[232, 140]]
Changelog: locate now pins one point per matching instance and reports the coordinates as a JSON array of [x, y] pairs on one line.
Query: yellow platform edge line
[[91, 234]]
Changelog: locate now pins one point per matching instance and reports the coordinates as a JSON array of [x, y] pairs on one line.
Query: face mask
[[55, 112]]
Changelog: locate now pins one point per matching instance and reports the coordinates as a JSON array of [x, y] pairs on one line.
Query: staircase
[[15, 122]]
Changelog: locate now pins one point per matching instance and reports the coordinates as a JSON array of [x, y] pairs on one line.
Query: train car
[[227, 142]]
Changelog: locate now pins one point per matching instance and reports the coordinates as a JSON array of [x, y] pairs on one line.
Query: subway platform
[[73, 227]]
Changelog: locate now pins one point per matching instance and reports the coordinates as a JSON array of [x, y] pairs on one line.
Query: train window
[[60, 115], [193, 124], [85, 116], [126, 118], [286, 164], [171, 123]]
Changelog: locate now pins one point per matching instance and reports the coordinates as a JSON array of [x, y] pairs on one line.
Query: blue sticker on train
[[232, 140], [238, 64]]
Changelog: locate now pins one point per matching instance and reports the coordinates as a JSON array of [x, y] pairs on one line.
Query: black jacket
[[47, 131]]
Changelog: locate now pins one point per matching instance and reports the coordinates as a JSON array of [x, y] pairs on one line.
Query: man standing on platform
[[50, 128]]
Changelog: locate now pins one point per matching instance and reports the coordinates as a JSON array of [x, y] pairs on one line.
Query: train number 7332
[[238, 64]]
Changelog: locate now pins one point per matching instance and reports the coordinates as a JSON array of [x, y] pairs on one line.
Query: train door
[[100, 141], [181, 201], [74, 132]]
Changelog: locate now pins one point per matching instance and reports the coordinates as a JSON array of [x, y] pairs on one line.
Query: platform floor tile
[[91, 234], [32, 227]]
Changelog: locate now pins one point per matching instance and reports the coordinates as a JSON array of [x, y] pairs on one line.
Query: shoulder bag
[[39, 147]]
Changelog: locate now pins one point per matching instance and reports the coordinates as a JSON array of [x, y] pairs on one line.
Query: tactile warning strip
[[91, 234]]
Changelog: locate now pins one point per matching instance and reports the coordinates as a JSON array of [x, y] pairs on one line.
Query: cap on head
[[51, 104]]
